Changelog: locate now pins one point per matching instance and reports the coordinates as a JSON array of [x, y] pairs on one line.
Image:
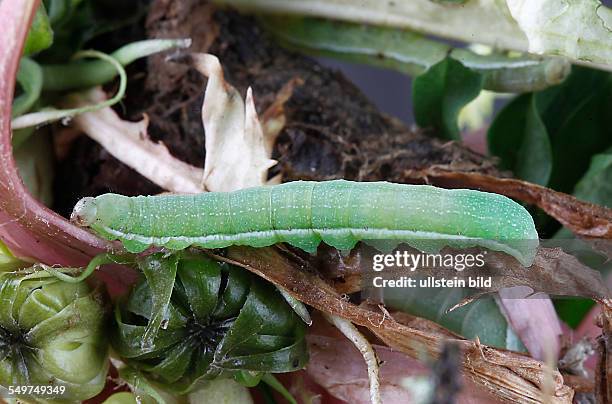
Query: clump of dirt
[[332, 131]]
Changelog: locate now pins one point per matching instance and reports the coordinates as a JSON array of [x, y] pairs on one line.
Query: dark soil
[[332, 131]]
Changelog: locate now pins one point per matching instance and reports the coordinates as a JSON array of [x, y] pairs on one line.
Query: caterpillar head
[[85, 212]]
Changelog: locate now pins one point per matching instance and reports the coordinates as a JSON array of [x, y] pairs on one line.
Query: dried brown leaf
[[603, 375]]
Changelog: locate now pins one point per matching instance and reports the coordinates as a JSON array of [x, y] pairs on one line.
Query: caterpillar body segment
[[304, 213]]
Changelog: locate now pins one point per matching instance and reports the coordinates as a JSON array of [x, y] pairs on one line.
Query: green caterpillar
[[304, 213]]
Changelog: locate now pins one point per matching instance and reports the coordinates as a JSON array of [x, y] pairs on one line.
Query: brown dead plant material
[[603, 375], [273, 119], [509, 376]]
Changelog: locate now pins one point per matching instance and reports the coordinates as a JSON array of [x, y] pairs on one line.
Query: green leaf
[[144, 392], [8, 262], [482, 318], [579, 122], [440, 93], [596, 185], [60, 11], [573, 311], [75, 22], [160, 273], [518, 136], [549, 137], [279, 387], [40, 36], [248, 379], [411, 52], [30, 78]]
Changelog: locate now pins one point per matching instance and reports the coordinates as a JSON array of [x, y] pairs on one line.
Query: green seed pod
[[220, 320], [51, 337]]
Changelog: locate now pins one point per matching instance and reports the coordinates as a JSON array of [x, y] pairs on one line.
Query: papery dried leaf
[[579, 29], [574, 358], [236, 153], [130, 144], [582, 218], [531, 315]]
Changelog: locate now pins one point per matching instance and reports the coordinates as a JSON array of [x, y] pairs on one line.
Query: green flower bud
[[52, 334], [220, 320]]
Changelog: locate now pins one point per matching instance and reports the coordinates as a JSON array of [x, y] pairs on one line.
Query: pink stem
[[29, 227]]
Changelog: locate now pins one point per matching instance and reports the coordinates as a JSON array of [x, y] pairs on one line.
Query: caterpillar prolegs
[[303, 213]]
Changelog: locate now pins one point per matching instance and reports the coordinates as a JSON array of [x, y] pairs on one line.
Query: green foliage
[[30, 78], [76, 22], [560, 138], [549, 137], [572, 311], [8, 262], [220, 320], [596, 185], [440, 93], [56, 38], [52, 333], [40, 36], [481, 318], [519, 135]]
